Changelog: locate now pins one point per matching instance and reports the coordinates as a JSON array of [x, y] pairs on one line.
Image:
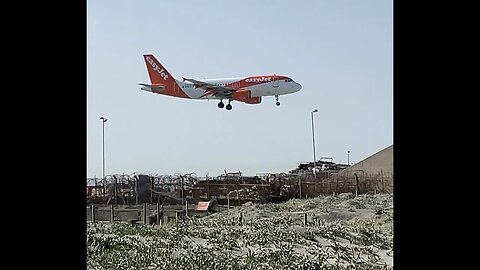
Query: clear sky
[[340, 51]]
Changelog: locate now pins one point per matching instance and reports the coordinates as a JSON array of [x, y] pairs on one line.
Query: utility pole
[[313, 139], [103, 155]]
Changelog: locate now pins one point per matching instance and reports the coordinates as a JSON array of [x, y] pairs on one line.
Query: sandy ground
[[346, 230], [344, 208]]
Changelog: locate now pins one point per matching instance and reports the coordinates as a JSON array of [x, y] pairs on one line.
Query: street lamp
[[103, 145], [348, 157], [313, 139]]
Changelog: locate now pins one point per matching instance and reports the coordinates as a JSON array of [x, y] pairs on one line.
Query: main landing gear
[[278, 102], [221, 105]]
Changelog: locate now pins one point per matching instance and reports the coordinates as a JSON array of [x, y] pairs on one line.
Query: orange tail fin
[[158, 74], [162, 81]]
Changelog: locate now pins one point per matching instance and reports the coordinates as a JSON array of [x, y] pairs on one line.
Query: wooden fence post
[[357, 184], [304, 219], [238, 198], [112, 213], [92, 207], [158, 213], [145, 221], [299, 187], [336, 187], [115, 189], [136, 189], [152, 187]]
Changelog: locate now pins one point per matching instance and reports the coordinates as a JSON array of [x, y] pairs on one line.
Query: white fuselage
[[270, 88]]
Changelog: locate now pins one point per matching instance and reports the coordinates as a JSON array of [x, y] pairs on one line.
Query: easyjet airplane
[[248, 89]]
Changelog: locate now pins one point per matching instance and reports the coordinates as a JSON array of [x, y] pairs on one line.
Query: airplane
[[245, 89]]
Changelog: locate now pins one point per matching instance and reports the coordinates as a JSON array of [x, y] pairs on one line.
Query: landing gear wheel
[[228, 107], [278, 103], [220, 105]]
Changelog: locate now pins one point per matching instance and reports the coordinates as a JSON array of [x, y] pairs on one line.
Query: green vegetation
[[272, 236]]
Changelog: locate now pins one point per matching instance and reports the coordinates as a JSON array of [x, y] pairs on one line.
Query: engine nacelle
[[246, 96], [253, 100], [241, 95]]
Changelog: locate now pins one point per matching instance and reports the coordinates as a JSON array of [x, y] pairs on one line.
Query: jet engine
[[253, 100], [246, 96]]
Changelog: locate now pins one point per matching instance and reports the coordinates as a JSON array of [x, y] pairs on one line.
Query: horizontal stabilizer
[[152, 87]]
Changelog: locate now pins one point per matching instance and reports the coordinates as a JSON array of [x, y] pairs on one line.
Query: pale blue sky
[[340, 51]]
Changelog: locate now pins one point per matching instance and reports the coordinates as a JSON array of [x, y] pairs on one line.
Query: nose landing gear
[[278, 102]]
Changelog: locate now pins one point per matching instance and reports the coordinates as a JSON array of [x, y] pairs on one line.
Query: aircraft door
[[275, 82]]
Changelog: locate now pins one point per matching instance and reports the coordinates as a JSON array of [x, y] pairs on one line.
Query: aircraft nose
[[299, 86]]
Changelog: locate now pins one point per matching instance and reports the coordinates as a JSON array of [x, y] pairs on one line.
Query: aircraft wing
[[211, 89]]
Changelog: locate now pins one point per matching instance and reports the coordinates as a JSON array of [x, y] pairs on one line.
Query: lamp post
[[348, 157], [313, 139], [103, 145]]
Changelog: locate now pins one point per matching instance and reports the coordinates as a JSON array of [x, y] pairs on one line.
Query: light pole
[[313, 139], [348, 157], [103, 145]]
